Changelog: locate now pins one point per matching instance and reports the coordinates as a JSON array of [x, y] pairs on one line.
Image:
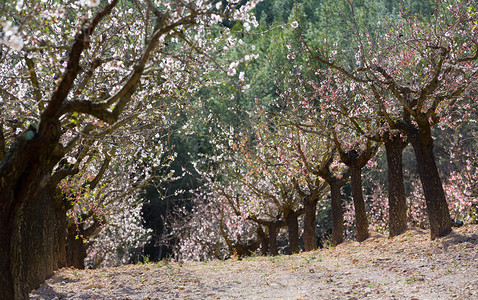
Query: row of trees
[[337, 105], [89, 90], [100, 98]]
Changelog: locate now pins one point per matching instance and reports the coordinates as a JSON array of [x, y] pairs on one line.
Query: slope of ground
[[409, 266]]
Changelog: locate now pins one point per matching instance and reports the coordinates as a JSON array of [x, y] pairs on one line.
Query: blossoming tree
[[77, 69]]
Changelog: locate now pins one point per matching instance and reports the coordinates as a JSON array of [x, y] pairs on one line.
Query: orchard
[[192, 130]]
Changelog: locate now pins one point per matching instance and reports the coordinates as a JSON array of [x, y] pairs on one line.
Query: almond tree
[[72, 66], [268, 176], [344, 116], [414, 70]]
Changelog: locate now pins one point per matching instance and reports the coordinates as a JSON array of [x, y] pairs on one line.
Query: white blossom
[[93, 3], [16, 43], [19, 5]]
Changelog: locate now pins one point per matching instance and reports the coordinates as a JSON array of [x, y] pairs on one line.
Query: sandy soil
[[409, 266]]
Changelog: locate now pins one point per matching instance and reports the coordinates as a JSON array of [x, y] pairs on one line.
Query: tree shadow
[[417, 230], [45, 291], [455, 238]]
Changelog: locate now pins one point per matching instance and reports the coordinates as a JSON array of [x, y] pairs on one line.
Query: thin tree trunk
[[397, 222], [437, 207], [361, 222], [293, 230], [310, 239], [264, 241], [337, 214]]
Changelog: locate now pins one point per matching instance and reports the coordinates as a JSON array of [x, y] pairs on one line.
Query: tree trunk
[[293, 231], [397, 222], [273, 228], [39, 245], [75, 249], [337, 214], [310, 239], [6, 240], [437, 207], [263, 239], [361, 222]]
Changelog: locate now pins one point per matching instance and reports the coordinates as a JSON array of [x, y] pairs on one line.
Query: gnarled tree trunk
[[337, 214], [75, 249], [361, 222], [273, 230], [24, 176], [397, 201], [310, 239], [39, 244], [6, 241], [437, 207], [356, 161], [293, 231]]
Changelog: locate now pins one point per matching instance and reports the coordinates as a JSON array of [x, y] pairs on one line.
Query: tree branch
[[82, 39], [330, 64], [122, 97], [433, 84], [92, 184], [34, 80]]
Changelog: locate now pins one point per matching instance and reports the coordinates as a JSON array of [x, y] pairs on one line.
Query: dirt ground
[[409, 266]]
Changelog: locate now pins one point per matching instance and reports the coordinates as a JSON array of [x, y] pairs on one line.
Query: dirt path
[[409, 266]]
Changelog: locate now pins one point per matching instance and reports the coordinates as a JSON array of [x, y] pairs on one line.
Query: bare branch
[[92, 184], [328, 63], [6, 94], [401, 93], [383, 109], [71, 144], [59, 175], [433, 84]]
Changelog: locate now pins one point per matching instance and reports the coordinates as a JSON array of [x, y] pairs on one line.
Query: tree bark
[[310, 239], [361, 222], [437, 207], [293, 231], [24, 173], [75, 249], [263, 239], [337, 214], [39, 243], [273, 228], [397, 202], [6, 240]]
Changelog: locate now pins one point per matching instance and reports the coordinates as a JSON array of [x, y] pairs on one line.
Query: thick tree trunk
[[21, 202], [310, 239], [437, 207], [6, 240], [39, 245], [397, 202], [361, 222], [293, 231], [337, 214]]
